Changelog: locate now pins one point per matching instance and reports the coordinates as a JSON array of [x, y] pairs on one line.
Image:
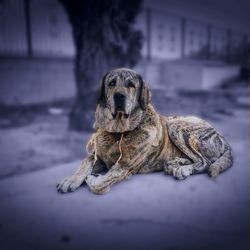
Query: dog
[[131, 137]]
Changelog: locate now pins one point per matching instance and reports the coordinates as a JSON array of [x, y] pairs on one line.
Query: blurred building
[[188, 45], [193, 44], [36, 52]]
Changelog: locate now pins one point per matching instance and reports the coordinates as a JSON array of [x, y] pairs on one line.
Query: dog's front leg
[[71, 183], [101, 183]]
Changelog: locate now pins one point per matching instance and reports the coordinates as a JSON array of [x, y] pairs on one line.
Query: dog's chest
[[108, 148]]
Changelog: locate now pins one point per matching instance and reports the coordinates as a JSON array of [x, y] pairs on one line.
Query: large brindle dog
[[131, 137]]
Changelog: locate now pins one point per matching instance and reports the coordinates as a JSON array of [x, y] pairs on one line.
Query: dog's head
[[123, 98]]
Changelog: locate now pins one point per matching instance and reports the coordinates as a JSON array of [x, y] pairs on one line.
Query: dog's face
[[123, 93]]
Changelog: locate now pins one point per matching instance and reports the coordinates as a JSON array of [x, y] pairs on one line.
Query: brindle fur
[[179, 146]]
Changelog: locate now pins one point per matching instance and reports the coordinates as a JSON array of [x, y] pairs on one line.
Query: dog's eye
[[112, 83], [130, 84]]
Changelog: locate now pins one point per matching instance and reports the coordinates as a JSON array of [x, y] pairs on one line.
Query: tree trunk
[[88, 72], [104, 39]]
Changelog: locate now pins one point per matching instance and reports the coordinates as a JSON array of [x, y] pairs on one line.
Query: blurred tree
[[104, 38]]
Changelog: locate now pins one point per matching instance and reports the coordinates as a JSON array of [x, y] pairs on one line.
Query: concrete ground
[[150, 211]]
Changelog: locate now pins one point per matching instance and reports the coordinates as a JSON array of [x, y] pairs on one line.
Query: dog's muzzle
[[120, 102]]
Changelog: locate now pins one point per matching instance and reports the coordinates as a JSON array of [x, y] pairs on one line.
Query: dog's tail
[[221, 164]]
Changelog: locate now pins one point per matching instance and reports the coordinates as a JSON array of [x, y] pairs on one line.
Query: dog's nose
[[119, 100], [119, 97]]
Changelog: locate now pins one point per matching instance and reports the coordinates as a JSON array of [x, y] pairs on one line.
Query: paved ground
[[150, 211], [37, 140]]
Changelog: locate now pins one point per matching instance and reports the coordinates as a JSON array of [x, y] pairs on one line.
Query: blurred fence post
[[229, 40], [28, 26], [148, 20], [183, 37], [245, 49], [209, 34]]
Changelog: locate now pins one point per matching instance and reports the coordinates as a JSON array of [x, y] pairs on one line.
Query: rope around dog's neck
[[119, 147]]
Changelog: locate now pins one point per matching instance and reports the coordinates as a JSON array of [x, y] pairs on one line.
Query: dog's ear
[[144, 94], [102, 97]]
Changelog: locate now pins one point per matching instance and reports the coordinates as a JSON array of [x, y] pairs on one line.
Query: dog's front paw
[[69, 184], [182, 172], [97, 184]]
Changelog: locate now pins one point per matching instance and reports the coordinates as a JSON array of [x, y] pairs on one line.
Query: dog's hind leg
[[190, 145], [181, 172], [169, 166], [181, 168], [202, 144], [221, 164]]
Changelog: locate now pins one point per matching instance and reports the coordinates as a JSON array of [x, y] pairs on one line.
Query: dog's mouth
[[120, 115]]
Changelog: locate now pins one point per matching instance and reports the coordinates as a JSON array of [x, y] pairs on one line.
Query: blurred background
[[193, 54]]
